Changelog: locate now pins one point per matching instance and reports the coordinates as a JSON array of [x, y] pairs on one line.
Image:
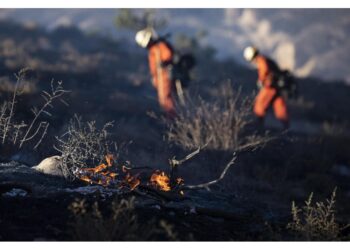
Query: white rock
[[50, 165]]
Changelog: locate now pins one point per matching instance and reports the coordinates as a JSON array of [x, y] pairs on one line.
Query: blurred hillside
[[311, 42]]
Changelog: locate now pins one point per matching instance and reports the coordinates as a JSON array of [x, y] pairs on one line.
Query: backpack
[[287, 85], [283, 81], [182, 68]]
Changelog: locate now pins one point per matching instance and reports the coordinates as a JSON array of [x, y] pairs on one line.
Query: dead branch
[[207, 184], [175, 163], [257, 143], [42, 135], [56, 93], [7, 125]]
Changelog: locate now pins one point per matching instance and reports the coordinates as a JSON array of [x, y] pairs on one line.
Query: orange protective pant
[[160, 53], [164, 89], [267, 97]]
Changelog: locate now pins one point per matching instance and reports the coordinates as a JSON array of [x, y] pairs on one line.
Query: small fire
[[109, 159], [97, 169], [111, 174], [101, 176], [132, 181], [161, 180]]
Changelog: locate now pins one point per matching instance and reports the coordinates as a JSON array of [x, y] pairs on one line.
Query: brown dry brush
[[84, 145], [223, 121]]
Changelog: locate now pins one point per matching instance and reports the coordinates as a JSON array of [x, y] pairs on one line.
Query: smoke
[[311, 42]]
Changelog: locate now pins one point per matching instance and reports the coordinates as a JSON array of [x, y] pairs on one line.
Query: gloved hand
[[165, 64]]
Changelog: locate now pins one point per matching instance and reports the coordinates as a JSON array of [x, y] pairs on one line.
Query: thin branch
[[8, 122], [175, 163], [35, 133], [42, 135], [56, 94], [207, 184]]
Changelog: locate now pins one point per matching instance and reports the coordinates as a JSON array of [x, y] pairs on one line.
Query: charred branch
[[208, 184]]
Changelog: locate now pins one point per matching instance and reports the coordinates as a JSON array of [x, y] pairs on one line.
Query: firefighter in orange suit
[[269, 94], [160, 57]]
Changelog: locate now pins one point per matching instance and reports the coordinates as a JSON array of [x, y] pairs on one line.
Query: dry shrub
[[83, 145], [223, 121], [120, 224], [33, 130], [315, 222]]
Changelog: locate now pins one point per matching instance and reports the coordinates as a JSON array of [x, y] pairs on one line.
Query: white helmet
[[143, 37], [250, 53]]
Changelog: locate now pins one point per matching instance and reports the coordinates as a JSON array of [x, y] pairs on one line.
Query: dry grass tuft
[[222, 122]]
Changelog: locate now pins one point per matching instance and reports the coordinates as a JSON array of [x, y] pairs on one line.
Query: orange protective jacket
[[160, 54], [268, 95]]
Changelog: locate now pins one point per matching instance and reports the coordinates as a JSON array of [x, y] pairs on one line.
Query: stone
[[51, 166]]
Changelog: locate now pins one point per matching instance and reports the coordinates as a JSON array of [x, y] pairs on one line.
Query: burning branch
[[207, 184]]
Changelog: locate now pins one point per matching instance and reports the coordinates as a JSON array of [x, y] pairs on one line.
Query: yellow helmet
[[250, 53]]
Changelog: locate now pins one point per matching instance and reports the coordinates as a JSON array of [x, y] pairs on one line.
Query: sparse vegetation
[[222, 122], [83, 145], [316, 221], [34, 130], [121, 224]]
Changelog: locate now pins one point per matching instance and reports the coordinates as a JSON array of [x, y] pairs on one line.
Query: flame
[[109, 159], [85, 178], [101, 176], [161, 180], [97, 169], [106, 174], [132, 181]]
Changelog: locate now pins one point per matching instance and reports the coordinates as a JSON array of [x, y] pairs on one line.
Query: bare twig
[[83, 144], [56, 93], [41, 124], [175, 163], [18, 130], [207, 184], [46, 126], [19, 78]]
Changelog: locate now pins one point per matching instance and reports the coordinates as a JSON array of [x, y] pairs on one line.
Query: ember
[[161, 181], [132, 181], [120, 176], [105, 175]]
